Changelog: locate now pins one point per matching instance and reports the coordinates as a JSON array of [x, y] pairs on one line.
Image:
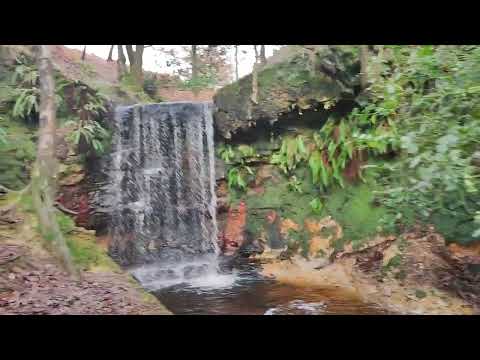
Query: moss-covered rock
[[304, 78]]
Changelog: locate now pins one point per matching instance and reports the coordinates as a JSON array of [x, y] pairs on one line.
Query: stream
[[246, 292]]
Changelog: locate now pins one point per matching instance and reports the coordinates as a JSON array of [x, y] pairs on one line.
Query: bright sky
[[153, 60]]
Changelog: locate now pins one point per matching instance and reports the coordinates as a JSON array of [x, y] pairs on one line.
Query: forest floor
[[33, 282]]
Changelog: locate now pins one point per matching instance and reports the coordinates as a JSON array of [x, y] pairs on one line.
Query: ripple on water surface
[[241, 292]]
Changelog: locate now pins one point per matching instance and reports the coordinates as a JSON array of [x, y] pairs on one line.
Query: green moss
[[130, 86], [395, 261], [26, 203], [420, 294], [86, 253], [353, 208], [458, 228], [278, 197], [65, 223]]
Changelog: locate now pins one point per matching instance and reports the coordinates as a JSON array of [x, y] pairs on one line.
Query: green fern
[[226, 153], [235, 179], [292, 152], [27, 101], [316, 206], [92, 132]]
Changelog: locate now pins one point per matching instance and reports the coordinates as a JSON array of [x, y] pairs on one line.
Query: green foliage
[[26, 103], [25, 73], [329, 150], [238, 176], [90, 130], [95, 104], [291, 154], [435, 95], [239, 173], [200, 82], [316, 205], [24, 93], [235, 179], [25, 90], [92, 133], [226, 153], [129, 85], [295, 185], [150, 86], [17, 153], [246, 151]]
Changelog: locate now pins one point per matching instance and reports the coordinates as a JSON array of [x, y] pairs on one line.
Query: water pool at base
[[251, 294]]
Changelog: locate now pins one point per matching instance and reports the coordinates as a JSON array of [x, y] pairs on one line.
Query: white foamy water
[[203, 274], [298, 307]]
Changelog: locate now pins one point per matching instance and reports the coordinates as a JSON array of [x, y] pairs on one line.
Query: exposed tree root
[[64, 209]]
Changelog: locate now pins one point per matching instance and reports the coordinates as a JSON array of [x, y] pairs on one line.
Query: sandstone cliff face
[[297, 78]]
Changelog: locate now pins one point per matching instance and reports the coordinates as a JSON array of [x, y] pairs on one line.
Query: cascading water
[[162, 181]]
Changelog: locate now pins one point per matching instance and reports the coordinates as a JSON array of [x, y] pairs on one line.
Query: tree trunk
[[263, 58], [110, 54], [194, 62], [139, 64], [135, 58], [121, 61], [130, 54], [84, 52], [363, 66], [254, 97], [45, 170], [256, 52], [236, 62]]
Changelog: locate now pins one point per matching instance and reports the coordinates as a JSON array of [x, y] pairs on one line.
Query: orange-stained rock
[[465, 251], [320, 244], [315, 227], [234, 234], [319, 241], [286, 225]]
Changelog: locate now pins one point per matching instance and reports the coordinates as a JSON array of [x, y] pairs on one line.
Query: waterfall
[[162, 185]]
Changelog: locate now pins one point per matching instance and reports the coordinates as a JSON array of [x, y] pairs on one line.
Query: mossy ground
[[85, 252]]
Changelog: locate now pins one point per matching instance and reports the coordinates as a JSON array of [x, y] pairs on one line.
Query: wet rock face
[[251, 247], [305, 79], [154, 192], [233, 236]]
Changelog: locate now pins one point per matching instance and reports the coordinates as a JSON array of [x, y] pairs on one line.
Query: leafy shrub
[[17, 153], [92, 133], [150, 87]]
